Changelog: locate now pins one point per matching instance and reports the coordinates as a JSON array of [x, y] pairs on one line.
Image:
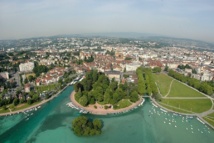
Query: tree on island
[[83, 126]]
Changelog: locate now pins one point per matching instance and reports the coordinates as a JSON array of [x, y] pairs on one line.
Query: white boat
[[189, 117], [154, 105], [200, 120], [163, 110]]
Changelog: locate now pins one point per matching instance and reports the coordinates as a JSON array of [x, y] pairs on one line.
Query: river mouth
[[52, 123]]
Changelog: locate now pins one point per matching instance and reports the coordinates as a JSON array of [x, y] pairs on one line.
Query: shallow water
[[148, 124]]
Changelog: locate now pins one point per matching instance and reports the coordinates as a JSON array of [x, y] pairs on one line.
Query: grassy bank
[[192, 105]]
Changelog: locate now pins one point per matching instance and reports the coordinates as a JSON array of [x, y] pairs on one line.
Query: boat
[[163, 110], [154, 105], [200, 120]]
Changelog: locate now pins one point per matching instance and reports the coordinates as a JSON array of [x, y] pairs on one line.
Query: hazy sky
[[178, 18]]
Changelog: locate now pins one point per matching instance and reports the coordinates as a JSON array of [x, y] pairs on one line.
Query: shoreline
[[185, 114], [100, 108], [34, 106]]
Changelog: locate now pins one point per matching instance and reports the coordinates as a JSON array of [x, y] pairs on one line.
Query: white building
[[26, 67], [133, 66], [207, 76], [4, 75]]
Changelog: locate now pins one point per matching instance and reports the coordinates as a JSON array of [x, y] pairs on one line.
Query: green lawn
[[180, 90], [163, 82], [42, 88], [174, 109], [123, 103], [211, 116], [193, 105], [209, 120], [26, 105]]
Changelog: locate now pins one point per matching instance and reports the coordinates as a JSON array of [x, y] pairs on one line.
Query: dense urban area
[[34, 69]]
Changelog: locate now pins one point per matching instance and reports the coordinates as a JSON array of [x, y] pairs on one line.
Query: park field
[[180, 90], [163, 82], [175, 108], [210, 118], [188, 105]]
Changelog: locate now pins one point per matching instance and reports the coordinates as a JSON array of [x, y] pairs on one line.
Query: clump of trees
[[38, 69], [89, 59], [83, 126], [204, 87], [156, 69], [96, 87], [112, 53], [146, 83], [184, 66]]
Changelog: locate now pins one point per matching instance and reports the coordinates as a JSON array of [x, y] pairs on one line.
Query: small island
[[99, 95], [83, 126]]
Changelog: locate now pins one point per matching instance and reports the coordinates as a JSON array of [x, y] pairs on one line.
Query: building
[[4, 75], [27, 87], [207, 76], [26, 67], [51, 77], [133, 66], [113, 74]]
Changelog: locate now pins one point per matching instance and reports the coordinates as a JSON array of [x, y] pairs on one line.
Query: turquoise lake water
[[147, 124]]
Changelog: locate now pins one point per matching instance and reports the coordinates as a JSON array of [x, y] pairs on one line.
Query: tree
[[31, 78], [15, 101], [166, 68], [134, 96], [194, 71], [35, 97], [29, 101], [156, 69], [83, 100], [83, 126], [78, 95], [107, 96], [40, 69], [25, 81], [97, 124]]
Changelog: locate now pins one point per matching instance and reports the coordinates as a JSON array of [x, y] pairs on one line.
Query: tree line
[[146, 83], [202, 86], [96, 87]]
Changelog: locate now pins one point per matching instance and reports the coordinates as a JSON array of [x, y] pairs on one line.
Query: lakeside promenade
[[100, 110], [34, 106], [186, 114]]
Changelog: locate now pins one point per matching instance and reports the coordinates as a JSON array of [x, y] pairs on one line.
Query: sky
[[192, 19]]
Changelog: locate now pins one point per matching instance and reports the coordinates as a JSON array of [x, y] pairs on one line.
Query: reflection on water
[[52, 123]]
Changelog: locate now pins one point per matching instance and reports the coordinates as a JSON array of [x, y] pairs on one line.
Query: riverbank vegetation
[[83, 126], [96, 87]]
